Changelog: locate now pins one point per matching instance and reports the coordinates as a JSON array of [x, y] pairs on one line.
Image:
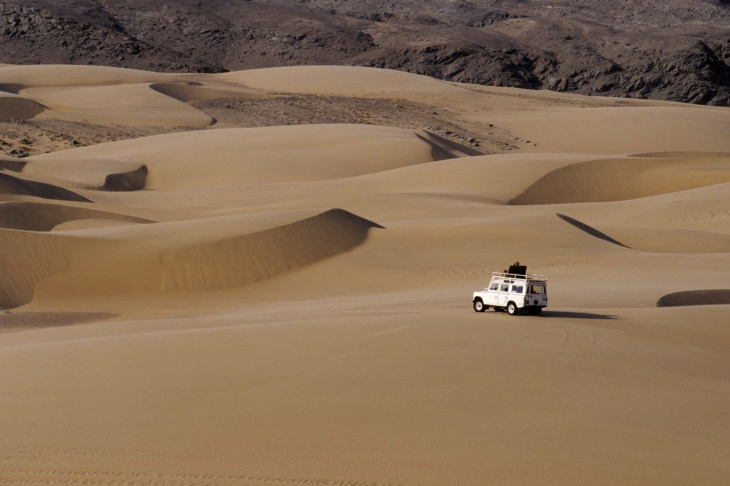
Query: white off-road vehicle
[[515, 291]]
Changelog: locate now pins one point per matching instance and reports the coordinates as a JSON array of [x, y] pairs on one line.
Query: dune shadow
[[11, 87], [12, 165], [42, 216], [578, 315], [27, 321], [695, 297], [19, 108], [678, 154], [15, 185], [133, 180], [194, 91], [444, 149], [590, 230]]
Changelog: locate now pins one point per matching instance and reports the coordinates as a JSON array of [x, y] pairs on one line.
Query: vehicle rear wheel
[[479, 306], [538, 310], [512, 309]]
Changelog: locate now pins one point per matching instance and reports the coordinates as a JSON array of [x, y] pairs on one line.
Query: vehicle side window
[[504, 288], [518, 289], [493, 286]]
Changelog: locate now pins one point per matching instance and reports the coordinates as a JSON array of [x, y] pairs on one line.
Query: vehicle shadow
[[577, 315]]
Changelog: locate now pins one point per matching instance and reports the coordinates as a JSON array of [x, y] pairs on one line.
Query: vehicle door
[[538, 293], [518, 294], [503, 294], [493, 295]]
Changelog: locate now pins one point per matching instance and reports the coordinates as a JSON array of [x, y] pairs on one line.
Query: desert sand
[[227, 304]]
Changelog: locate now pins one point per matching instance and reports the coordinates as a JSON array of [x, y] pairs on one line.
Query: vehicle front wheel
[[512, 309], [479, 306]]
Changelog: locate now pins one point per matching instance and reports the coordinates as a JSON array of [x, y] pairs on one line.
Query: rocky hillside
[[643, 49]]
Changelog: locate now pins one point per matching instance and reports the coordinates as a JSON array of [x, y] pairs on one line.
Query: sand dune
[[96, 94], [26, 259], [628, 178], [157, 260], [133, 104], [31, 253], [250, 258], [338, 80], [188, 307], [301, 153], [621, 130], [15, 78]]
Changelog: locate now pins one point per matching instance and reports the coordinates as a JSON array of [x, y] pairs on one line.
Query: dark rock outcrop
[[641, 49]]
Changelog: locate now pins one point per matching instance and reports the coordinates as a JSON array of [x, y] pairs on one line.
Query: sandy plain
[[236, 303]]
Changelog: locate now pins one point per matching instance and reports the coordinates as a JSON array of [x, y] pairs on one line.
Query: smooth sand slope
[[291, 304]]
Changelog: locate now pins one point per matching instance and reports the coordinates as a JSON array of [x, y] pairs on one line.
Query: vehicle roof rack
[[517, 276]]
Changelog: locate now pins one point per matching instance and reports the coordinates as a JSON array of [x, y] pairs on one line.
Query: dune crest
[[336, 80], [250, 258]]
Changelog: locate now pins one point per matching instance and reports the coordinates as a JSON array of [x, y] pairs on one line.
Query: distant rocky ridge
[[641, 49]]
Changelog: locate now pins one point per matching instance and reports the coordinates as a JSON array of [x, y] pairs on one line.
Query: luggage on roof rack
[[517, 269]]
